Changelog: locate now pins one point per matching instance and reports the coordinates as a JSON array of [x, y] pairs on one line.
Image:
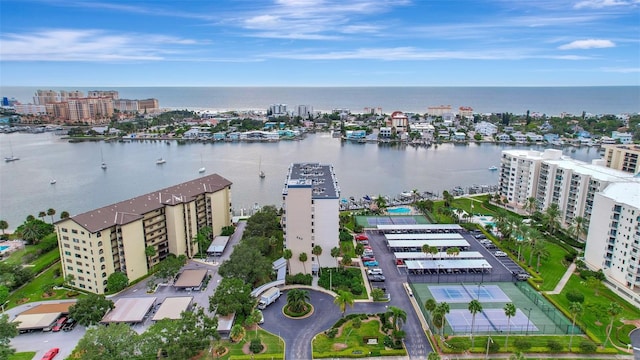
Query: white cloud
[[599, 4], [588, 44], [87, 45], [622, 70]]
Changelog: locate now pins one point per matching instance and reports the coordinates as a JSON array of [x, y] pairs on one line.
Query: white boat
[[12, 157], [202, 169], [160, 161], [493, 168], [261, 173], [53, 181], [103, 165]]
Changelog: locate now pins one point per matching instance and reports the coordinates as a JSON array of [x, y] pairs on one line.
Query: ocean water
[[517, 100]]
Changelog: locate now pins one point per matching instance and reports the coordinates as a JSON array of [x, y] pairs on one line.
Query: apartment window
[[68, 253], [64, 229], [98, 234], [74, 231], [78, 256], [67, 245], [102, 259], [70, 268], [76, 248], [81, 286], [99, 243], [104, 274], [65, 237], [76, 241]]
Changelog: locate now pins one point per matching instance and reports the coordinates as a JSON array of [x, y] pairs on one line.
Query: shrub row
[[299, 279]]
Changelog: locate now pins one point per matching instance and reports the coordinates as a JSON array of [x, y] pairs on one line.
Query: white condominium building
[[622, 157], [613, 243], [552, 178], [311, 215], [95, 244]]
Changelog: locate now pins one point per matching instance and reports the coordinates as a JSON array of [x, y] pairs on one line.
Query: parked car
[[361, 237], [371, 263], [69, 324], [376, 278], [366, 258], [363, 242], [523, 277], [480, 236], [374, 271], [368, 253], [500, 253], [51, 354], [261, 321], [58, 326]]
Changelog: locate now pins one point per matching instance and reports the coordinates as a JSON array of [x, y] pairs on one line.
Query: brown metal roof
[[129, 310], [133, 209], [60, 308], [190, 278]]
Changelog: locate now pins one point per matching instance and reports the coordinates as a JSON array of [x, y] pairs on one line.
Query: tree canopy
[[232, 295], [117, 281], [246, 263], [90, 310], [8, 330]]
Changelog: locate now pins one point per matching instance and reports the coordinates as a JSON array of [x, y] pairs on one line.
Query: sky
[[319, 43]]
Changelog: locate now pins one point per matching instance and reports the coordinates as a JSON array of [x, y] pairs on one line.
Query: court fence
[[467, 278], [559, 325]]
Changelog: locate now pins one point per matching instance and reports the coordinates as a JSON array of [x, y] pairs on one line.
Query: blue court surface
[[391, 220], [489, 320], [466, 293]]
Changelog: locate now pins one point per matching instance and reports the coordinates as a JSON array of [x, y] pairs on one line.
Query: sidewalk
[[563, 280]]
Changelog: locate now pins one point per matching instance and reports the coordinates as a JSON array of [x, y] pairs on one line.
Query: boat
[[260, 172], [12, 157], [103, 165], [366, 198], [160, 161], [493, 168], [53, 181], [202, 169]]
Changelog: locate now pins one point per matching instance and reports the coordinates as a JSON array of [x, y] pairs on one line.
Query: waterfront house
[[486, 128], [622, 137], [356, 134], [459, 136]]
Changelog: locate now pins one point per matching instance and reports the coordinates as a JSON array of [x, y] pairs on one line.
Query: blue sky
[[319, 43]]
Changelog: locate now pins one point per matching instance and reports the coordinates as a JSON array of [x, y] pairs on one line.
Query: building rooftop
[[319, 177], [129, 310], [598, 172], [133, 209], [190, 278], [172, 308], [627, 193]]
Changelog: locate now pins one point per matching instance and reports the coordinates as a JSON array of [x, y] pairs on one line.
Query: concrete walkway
[[563, 280]]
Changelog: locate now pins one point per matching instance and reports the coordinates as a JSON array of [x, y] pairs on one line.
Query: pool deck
[[12, 246], [411, 210]]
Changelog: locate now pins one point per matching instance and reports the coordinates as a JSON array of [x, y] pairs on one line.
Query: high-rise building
[[110, 94], [552, 178], [311, 215], [95, 244], [126, 105], [148, 105], [622, 157], [305, 111], [278, 109], [613, 241]]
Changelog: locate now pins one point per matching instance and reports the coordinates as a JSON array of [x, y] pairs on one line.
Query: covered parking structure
[[172, 308], [41, 316], [447, 266], [217, 246], [419, 228], [190, 279], [225, 323], [129, 310], [424, 236], [416, 245], [418, 255]]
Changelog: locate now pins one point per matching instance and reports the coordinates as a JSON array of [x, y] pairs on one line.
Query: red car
[[58, 326], [368, 258], [361, 237], [51, 354]]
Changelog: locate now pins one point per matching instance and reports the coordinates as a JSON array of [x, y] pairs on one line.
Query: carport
[[225, 322], [190, 279], [32, 322], [416, 245], [218, 245], [172, 307], [420, 266], [129, 310]]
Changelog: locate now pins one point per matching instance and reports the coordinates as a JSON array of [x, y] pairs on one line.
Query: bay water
[[361, 169]]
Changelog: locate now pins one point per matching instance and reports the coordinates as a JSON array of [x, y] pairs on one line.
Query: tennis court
[[373, 221], [466, 293], [489, 320]]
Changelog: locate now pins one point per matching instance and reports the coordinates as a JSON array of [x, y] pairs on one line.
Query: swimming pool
[[399, 210], [3, 248]]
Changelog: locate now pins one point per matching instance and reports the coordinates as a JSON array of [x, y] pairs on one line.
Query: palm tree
[[303, 259], [575, 308], [453, 251], [448, 198], [397, 314], [531, 204], [551, 216], [613, 310], [149, 251], [343, 299], [335, 252], [64, 215], [30, 232], [578, 226], [441, 310], [51, 212], [317, 251], [297, 299], [430, 305], [474, 308], [287, 255], [415, 195], [433, 356], [380, 202], [541, 252], [4, 225], [509, 312], [42, 214], [237, 333]]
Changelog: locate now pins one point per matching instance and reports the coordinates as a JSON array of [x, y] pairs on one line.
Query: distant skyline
[[66, 43]]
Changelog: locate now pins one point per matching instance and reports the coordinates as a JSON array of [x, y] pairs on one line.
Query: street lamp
[[489, 340], [528, 320]]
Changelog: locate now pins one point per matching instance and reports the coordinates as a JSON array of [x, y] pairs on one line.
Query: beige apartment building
[[311, 215], [622, 157], [95, 244]]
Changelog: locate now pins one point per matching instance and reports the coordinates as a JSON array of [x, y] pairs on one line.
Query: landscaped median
[[359, 336], [274, 347]]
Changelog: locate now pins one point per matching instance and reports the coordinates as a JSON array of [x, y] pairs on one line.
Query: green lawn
[[594, 317], [28, 355], [539, 344], [348, 249], [551, 269], [275, 347], [350, 342], [33, 290], [45, 260]]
